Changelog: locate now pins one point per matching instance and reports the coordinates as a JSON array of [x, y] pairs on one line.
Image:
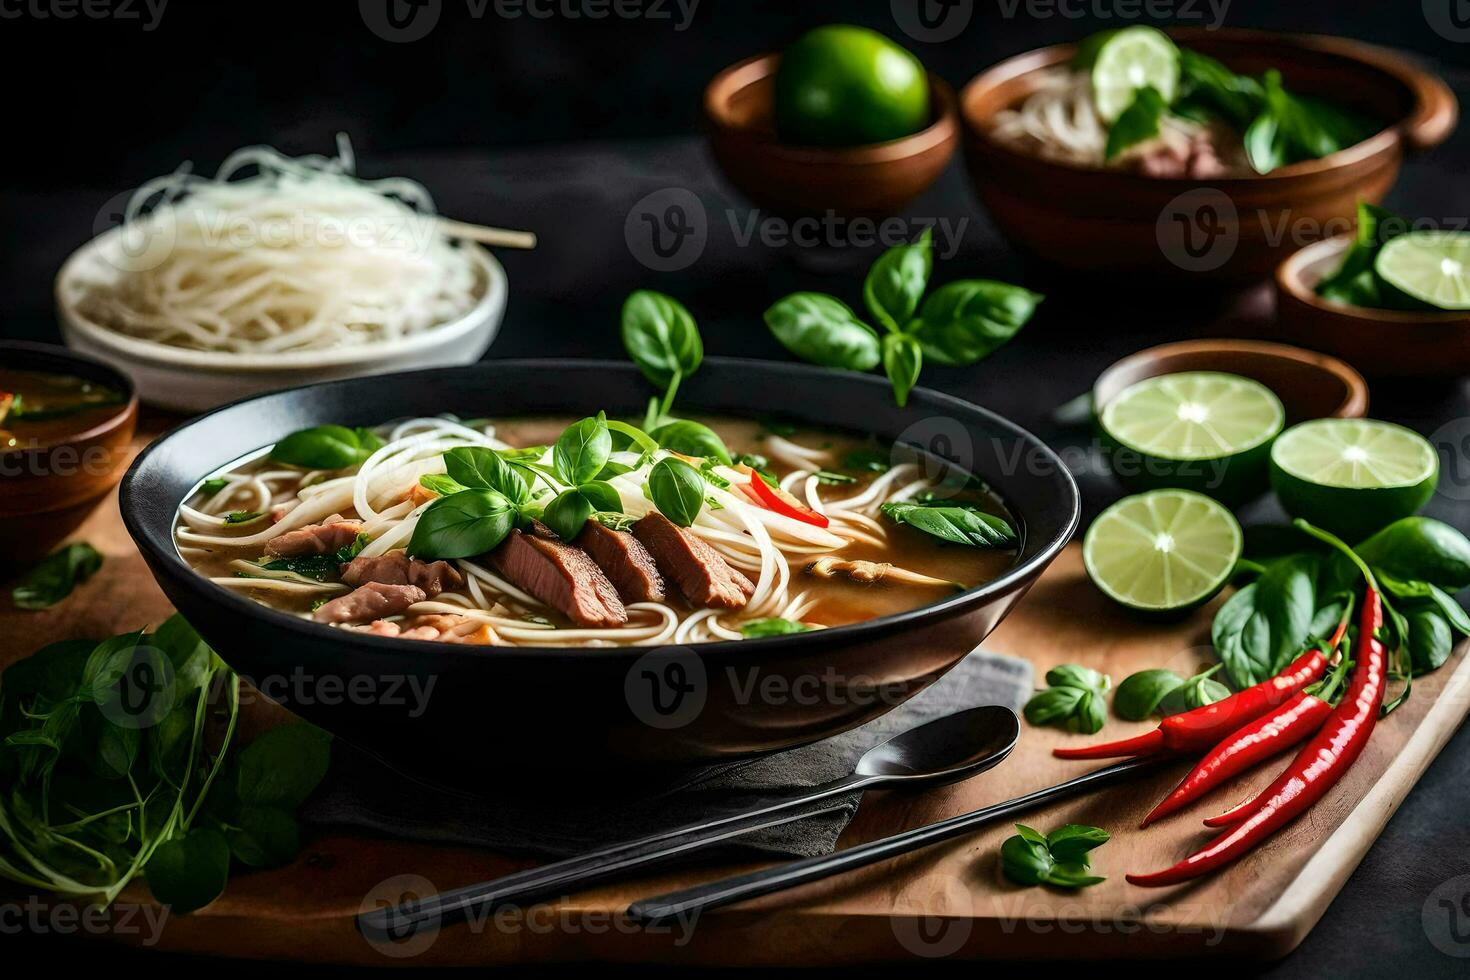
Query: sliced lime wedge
[[1352, 476], [1165, 551], [1194, 415], [1431, 266], [1129, 60]]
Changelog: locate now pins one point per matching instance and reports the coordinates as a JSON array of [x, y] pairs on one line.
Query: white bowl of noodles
[[299, 273]]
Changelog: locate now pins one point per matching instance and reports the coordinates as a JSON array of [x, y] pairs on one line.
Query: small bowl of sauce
[[66, 426]]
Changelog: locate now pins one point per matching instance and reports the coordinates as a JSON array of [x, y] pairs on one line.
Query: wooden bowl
[[49, 489], [876, 180], [1310, 385], [1381, 343], [1227, 230]]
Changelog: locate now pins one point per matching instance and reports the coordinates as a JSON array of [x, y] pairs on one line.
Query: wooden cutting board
[[949, 900]]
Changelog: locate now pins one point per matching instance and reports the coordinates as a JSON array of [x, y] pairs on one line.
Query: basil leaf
[[903, 358], [567, 513], [1420, 548], [1354, 279], [1025, 862], [441, 484], [1055, 704], [962, 322], [1430, 640], [625, 435], [956, 523], [1205, 82], [1265, 143], [1072, 842], [1196, 692], [1067, 875], [282, 767], [692, 439], [1075, 675], [1264, 625], [264, 837], [818, 328], [896, 282], [602, 496], [1091, 714], [582, 450], [461, 525], [326, 447], [771, 627], [188, 872], [1137, 123], [676, 489], [1140, 694], [482, 468], [55, 576], [660, 336]]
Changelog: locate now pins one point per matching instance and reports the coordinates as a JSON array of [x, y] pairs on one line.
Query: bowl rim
[[161, 355], [1366, 55], [1014, 577], [127, 410], [1353, 405], [1291, 280], [944, 128]]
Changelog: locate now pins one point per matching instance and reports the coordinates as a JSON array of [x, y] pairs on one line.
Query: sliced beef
[[560, 575], [396, 568], [368, 602], [700, 573], [627, 563], [326, 538]]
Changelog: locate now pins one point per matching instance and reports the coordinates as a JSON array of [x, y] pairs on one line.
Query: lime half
[[1430, 266], [1129, 60], [1197, 430], [1165, 551], [1352, 476]]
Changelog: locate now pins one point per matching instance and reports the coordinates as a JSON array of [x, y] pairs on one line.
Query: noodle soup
[[560, 532]]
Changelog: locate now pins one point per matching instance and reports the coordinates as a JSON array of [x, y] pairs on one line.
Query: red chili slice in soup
[[783, 503]]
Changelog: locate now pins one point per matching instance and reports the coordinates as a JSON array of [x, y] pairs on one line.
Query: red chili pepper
[[778, 500], [1316, 768], [1202, 728]]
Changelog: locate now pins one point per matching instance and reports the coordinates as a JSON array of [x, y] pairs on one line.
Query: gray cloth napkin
[[362, 793]]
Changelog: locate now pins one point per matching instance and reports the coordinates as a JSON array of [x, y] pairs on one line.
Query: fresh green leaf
[[829, 479], [692, 439], [243, 516], [442, 484], [771, 627], [1025, 861], [896, 282], [602, 495], [1075, 675], [1065, 875], [1053, 705], [660, 337], [955, 522], [282, 767], [264, 836], [1263, 626], [962, 322], [1429, 639], [676, 489], [188, 872], [326, 447], [1138, 123], [1206, 84], [1072, 842], [482, 468], [625, 435], [211, 487], [903, 358], [1195, 692], [567, 513], [462, 525], [1059, 859], [582, 450], [1420, 548], [1354, 281], [56, 575], [824, 330], [1140, 694]]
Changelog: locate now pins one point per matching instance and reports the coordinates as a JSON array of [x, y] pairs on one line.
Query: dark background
[[561, 124]]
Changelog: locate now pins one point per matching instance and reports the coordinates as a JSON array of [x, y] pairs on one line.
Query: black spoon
[[945, 750], [689, 901]]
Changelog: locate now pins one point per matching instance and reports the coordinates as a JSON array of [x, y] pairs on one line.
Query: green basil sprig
[[54, 577], [661, 337], [953, 522], [676, 489], [1139, 695], [464, 524], [692, 439], [1061, 858], [1074, 699], [1137, 123], [957, 325], [326, 447]]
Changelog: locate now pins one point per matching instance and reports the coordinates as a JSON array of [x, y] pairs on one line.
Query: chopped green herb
[[771, 627], [56, 575], [243, 516]]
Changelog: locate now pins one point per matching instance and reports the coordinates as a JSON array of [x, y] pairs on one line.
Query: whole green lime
[[848, 86]]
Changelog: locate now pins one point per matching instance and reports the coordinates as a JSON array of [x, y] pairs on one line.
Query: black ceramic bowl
[[549, 708]]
